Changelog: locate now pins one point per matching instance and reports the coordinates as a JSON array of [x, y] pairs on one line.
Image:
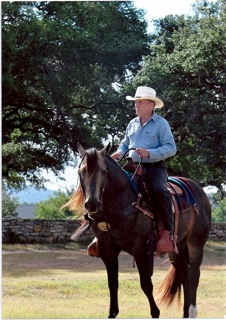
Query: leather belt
[[154, 164]]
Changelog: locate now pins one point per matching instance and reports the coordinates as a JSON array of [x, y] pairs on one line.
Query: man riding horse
[[150, 137]]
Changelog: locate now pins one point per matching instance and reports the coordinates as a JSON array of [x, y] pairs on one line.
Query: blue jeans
[[155, 179]]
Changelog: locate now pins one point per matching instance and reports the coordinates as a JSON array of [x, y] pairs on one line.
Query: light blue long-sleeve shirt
[[155, 136]]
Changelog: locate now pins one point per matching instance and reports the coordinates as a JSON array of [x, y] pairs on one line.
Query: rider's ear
[[106, 149], [81, 150]]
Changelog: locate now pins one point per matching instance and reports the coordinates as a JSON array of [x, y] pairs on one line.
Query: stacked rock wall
[[40, 230], [59, 231]]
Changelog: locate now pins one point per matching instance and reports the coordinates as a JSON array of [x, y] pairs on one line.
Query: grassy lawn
[[39, 283]]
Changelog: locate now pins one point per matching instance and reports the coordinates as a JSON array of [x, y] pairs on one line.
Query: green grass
[[68, 284]]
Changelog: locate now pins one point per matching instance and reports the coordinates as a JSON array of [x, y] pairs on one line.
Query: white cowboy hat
[[146, 93]]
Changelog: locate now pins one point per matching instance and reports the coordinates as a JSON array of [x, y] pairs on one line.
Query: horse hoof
[[112, 316]]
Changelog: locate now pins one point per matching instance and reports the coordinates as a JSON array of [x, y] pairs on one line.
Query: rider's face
[[144, 108]]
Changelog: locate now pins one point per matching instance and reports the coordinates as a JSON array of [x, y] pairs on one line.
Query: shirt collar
[[153, 117]]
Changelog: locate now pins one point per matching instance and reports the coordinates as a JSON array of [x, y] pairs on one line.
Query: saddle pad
[[174, 189], [187, 191]]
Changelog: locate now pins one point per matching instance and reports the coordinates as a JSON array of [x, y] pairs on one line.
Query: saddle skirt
[[178, 196], [180, 189]]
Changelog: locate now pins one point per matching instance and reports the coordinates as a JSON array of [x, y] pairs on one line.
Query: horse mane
[[76, 203]]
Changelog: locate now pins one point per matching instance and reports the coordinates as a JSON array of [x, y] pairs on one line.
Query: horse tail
[[76, 203], [168, 289]]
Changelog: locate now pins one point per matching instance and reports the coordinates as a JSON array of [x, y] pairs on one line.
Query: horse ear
[[106, 149], [81, 150]]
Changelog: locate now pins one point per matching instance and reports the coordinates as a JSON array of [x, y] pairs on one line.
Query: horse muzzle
[[92, 206]]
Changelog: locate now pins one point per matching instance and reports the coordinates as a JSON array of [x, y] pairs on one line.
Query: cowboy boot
[[92, 249], [166, 243]]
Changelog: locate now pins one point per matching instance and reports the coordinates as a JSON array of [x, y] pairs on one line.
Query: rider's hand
[[142, 153]]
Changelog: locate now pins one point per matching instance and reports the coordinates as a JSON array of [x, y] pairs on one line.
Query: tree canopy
[[218, 203], [9, 205], [60, 60]]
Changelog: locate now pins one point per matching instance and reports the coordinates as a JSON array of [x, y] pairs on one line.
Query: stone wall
[[218, 231], [59, 231], [40, 231]]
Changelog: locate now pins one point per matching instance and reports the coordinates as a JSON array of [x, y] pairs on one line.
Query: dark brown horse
[[108, 199]]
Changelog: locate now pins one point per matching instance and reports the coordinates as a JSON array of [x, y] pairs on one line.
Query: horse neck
[[116, 177], [118, 185]]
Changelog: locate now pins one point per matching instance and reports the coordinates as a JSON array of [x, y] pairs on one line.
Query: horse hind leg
[[187, 267], [193, 311], [178, 278], [195, 260]]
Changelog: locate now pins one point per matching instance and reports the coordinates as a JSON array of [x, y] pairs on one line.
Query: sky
[[155, 9]]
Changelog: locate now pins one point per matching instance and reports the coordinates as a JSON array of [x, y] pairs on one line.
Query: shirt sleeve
[[156, 137], [167, 146], [124, 144]]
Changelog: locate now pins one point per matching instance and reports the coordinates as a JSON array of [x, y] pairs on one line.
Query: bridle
[[82, 185], [103, 187]]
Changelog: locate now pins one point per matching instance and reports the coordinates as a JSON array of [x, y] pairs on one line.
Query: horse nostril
[[92, 205]]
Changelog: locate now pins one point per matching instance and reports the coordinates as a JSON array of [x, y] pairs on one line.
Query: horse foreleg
[[146, 283], [112, 272]]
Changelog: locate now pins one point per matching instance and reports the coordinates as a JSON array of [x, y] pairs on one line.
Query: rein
[[124, 157]]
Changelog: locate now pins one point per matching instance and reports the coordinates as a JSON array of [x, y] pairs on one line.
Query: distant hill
[[32, 195]]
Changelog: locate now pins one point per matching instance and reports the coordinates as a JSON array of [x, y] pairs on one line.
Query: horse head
[[93, 174]]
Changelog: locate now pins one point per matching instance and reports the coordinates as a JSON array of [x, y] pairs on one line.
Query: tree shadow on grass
[[73, 257]]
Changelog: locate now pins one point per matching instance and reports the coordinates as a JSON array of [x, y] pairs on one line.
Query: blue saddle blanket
[[186, 190]]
